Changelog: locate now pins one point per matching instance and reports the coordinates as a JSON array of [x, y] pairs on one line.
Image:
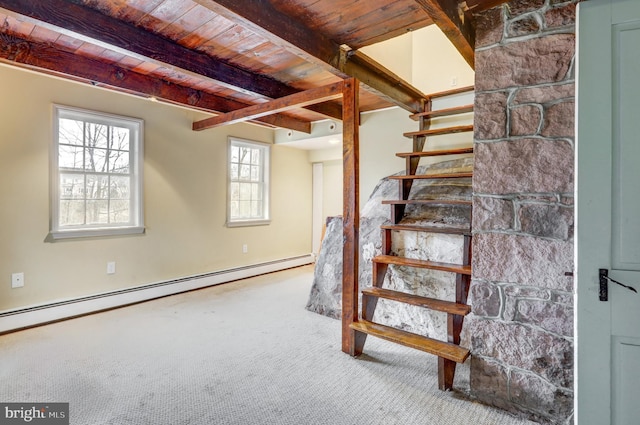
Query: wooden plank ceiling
[[224, 55]]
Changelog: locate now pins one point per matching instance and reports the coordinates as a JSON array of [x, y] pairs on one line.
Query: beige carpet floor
[[240, 353]]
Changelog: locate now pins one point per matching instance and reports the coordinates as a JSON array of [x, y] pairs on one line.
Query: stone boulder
[[326, 292]]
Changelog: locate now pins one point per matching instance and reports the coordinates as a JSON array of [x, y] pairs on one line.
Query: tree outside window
[[248, 199], [98, 174]]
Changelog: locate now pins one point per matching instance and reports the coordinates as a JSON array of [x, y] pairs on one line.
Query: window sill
[[246, 223], [93, 233]]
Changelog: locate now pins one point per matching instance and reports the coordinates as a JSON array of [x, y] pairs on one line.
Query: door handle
[[604, 285]]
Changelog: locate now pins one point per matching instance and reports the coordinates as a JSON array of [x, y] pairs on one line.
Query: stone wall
[[522, 323]]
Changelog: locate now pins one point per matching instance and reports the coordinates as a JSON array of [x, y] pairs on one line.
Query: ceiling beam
[[91, 26], [449, 16], [45, 57], [298, 100], [387, 84], [279, 28], [287, 32]]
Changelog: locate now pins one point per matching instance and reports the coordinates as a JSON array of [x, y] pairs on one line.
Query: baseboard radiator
[[13, 320]]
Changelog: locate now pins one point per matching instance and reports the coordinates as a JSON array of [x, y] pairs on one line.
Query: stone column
[[522, 323]]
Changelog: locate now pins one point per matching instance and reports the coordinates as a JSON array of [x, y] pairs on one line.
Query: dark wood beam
[[352, 341], [384, 82], [281, 29], [450, 17], [91, 26], [298, 100], [289, 33], [46, 58]]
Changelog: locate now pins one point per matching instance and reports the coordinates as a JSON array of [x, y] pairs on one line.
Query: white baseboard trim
[[22, 318]]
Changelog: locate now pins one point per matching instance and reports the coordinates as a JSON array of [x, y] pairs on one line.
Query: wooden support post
[[350, 217]]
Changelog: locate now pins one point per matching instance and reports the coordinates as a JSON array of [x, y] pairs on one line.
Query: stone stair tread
[[426, 202], [423, 264], [433, 346], [433, 176], [443, 112], [440, 131], [420, 301], [435, 153], [426, 229]]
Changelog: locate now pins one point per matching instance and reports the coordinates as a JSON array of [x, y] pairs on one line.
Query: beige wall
[[425, 58], [184, 193], [436, 62], [380, 139], [332, 188], [395, 54]]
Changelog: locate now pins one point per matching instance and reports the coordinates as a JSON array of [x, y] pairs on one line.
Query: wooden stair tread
[[439, 348], [423, 264], [426, 229], [435, 153], [450, 92], [426, 202], [440, 131], [417, 300], [443, 112], [433, 176]]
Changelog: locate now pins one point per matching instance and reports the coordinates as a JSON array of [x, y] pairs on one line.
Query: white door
[[608, 212]]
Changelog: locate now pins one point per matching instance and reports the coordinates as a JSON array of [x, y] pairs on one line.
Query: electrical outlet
[[17, 280], [245, 248], [111, 267]]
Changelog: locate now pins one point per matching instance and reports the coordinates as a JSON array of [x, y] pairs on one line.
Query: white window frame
[[265, 177], [136, 158]]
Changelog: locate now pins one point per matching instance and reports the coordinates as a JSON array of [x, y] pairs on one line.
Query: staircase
[[449, 352]]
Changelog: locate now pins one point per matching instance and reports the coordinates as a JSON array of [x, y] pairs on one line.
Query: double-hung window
[[96, 174], [248, 193]]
